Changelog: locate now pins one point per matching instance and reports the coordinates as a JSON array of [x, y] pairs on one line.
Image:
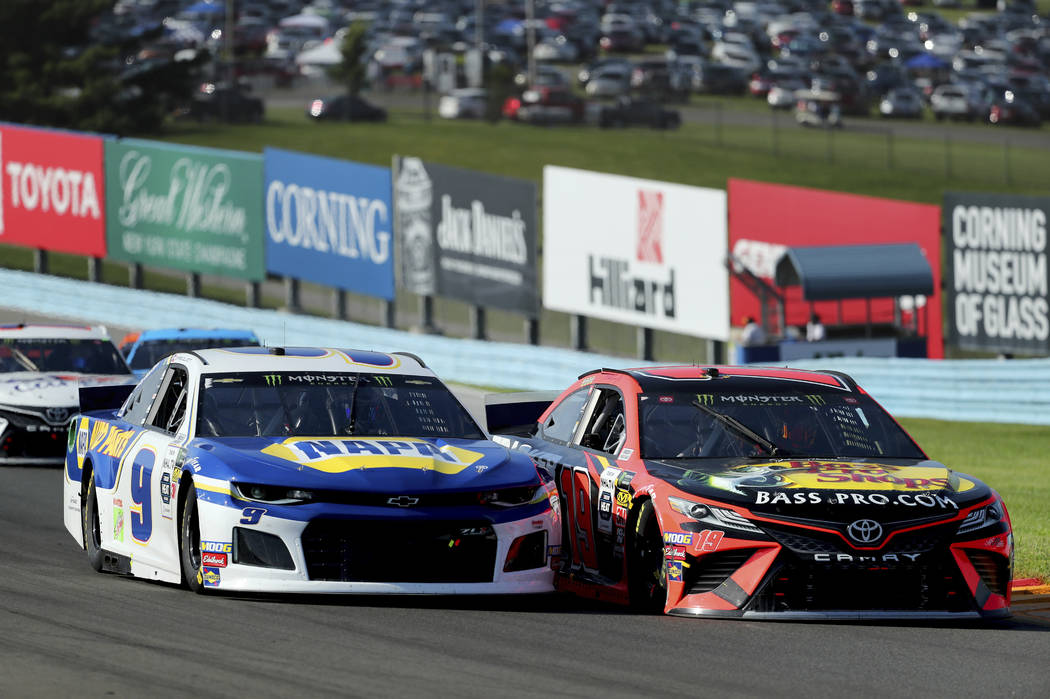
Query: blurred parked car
[[609, 81], [622, 41], [639, 112], [545, 105], [818, 108], [217, 102], [1013, 110], [717, 79], [901, 103], [345, 108], [464, 103], [954, 102]]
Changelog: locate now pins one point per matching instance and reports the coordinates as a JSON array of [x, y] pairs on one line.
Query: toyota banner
[[996, 273], [183, 207], [466, 235], [52, 192], [641, 252], [330, 222]]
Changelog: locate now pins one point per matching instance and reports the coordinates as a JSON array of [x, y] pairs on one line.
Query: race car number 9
[[252, 515], [142, 509]]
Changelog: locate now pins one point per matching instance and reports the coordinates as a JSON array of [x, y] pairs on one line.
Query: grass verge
[[1009, 458]]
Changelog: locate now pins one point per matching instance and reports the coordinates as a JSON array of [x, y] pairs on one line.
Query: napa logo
[[342, 455]]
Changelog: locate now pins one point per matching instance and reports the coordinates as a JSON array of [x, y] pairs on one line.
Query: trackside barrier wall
[[1016, 390]]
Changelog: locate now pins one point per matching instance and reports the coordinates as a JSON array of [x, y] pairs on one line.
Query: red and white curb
[[1031, 600]]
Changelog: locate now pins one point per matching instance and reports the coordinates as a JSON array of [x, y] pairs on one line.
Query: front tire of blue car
[[90, 525], [190, 541]]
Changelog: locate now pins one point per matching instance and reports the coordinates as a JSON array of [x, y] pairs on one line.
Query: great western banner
[[52, 192], [997, 273], [640, 252], [466, 235], [330, 222], [195, 209]]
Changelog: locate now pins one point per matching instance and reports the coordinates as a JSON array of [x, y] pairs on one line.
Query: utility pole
[[530, 38]]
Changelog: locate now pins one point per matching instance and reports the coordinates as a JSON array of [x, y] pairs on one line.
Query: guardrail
[[1016, 390]]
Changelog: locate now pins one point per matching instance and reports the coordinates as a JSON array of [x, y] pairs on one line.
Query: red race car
[[757, 493]]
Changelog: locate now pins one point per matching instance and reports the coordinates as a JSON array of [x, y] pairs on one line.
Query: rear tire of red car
[[90, 525], [647, 570], [190, 541]]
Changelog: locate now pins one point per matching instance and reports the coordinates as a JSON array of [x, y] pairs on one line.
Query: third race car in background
[[143, 350], [758, 493], [41, 368]]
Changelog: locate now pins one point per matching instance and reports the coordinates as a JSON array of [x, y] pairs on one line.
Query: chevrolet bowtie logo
[[402, 501]]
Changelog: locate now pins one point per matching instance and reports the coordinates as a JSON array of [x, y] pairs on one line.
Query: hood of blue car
[[366, 464]]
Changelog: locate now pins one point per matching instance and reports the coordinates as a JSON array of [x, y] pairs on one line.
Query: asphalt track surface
[[68, 631]]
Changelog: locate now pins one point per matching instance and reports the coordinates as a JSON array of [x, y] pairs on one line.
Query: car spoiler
[[516, 413], [105, 397]]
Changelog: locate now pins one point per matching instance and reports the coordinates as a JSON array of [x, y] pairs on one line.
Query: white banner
[[634, 251]]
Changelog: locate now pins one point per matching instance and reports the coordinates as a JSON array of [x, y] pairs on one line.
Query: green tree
[[70, 64], [352, 71]]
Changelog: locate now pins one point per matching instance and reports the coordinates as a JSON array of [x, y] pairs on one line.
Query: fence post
[[947, 155], [477, 322], [339, 304], [644, 343], [40, 261], [889, 149], [291, 294], [389, 312], [578, 332], [776, 135], [193, 285], [718, 123], [94, 269], [135, 275], [252, 294], [829, 146], [1007, 175], [532, 331]]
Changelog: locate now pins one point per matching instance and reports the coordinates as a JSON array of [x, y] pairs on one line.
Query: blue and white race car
[[305, 470], [146, 348]]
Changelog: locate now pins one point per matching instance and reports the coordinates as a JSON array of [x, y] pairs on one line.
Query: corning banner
[[466, 235], [765, 218], [640, 252], [329, 221], [183, 207], [52, 192], [997, 273]]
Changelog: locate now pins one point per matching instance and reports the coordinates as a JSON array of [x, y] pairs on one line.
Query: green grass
[[1009, 458], [697, 154]]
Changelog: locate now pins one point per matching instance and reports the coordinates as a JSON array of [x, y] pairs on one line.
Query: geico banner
[[633, 251], [189, 208], [329, 221], [466, 235], [997, 273], [52, 192], [764, 219]]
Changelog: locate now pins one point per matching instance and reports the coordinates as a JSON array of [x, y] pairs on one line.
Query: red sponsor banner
[[765, 218], [52, 197], [213, 560]]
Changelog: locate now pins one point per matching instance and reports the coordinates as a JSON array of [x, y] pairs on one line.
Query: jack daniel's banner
[[466, 235]]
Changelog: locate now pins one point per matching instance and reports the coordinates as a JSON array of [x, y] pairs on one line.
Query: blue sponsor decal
[[674, 571], [329, 221]]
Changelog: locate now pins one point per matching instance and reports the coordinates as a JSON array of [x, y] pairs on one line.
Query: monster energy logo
[[273, 379], [705, 398], [384, 381], [816, 399]]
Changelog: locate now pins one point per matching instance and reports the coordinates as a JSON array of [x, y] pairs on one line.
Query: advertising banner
[[640, 252], [194, 209], [329, 221], [764, 219], [52, 192], [997, 274], [466, 235]]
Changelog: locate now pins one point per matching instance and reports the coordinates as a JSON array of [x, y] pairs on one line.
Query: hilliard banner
[[330, 222], [466, 235], [195, 209], [997, 272], [640, 252]]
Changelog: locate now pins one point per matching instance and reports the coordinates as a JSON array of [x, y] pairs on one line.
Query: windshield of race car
[[150, 352], [330, 404], [814, 424], [90, 356]]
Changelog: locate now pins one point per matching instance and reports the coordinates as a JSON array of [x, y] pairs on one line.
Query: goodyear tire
[[90, 525], [190, 541], [647, 571]]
